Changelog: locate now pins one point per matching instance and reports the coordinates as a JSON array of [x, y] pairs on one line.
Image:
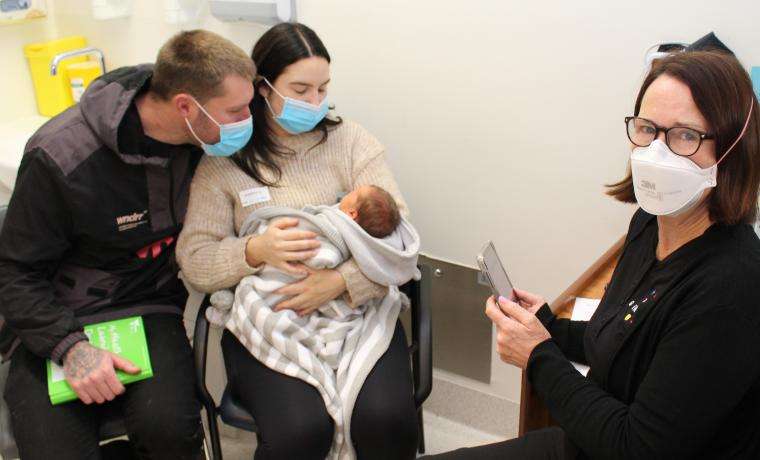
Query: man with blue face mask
[[232, 136], [89, 237]]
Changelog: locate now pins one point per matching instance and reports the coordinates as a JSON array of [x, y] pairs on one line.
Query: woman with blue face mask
[[300, 154]]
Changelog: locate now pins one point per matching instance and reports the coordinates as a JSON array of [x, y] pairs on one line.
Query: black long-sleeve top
[[674, 351]]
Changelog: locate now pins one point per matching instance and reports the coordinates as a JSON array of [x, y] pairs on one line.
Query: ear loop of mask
[[266, 99], [190, 125], [207, 114], [741, 134]]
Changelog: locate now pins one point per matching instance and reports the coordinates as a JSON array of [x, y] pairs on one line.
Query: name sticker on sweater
[[254, 196]]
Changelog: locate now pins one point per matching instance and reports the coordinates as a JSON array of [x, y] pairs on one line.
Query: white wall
[[502, 119], [508, 116]]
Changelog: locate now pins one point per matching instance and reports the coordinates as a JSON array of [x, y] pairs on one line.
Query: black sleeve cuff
[[65, 345], [545, 315], [548, 346], [547, 367]]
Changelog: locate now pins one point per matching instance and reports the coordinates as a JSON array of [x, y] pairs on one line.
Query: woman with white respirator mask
[[673, 346], [666, 182]]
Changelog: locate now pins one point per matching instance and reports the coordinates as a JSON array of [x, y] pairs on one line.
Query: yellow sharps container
[[53, 92]]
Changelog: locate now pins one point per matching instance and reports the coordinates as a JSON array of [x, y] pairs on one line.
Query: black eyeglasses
[[680, 140]]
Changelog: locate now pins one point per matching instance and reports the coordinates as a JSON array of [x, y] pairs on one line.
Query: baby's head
[[373, 208]]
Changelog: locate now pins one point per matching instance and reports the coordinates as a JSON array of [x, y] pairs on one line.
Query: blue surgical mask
[[232, 136], [297, 116]]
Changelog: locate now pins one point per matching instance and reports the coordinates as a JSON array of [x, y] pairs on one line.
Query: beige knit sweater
[[209, 252]]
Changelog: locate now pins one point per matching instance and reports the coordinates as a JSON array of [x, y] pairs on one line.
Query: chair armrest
[[422, 336], [200, 348]]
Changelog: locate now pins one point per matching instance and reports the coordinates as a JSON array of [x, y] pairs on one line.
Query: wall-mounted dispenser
[[261, 11]]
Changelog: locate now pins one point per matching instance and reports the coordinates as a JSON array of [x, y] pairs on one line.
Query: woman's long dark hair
[[281, 46]]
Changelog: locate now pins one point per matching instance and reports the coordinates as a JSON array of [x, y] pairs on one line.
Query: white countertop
[[13, 138]]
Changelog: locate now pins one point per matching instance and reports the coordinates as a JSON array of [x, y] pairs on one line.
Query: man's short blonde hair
[[196, 62]]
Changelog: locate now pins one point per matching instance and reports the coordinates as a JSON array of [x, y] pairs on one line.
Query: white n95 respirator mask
[[667, 184]]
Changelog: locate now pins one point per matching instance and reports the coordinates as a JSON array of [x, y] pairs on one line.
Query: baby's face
[[350, 203]]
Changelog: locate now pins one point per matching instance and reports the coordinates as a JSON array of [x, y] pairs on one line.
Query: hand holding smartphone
[[493, 270]]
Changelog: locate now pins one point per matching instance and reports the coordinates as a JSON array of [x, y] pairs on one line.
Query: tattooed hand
[[91, 372]]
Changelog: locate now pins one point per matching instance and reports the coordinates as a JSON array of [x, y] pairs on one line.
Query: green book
[[125, 337]]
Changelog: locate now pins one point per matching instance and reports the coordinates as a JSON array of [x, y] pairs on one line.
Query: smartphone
[[493, 270]]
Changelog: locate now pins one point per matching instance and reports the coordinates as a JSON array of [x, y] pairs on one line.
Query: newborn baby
[[373, 208]]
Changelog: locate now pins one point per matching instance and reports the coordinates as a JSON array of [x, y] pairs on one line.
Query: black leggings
[[293, 421], [547, 444], [161, 414]]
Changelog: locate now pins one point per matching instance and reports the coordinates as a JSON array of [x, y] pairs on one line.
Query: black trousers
[[162, 413], [547, 444], [293, 421]]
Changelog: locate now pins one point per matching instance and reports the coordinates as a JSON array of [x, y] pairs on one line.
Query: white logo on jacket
[[131, 221]]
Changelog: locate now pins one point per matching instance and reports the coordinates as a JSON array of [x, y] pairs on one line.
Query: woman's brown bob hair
[[722, 90]]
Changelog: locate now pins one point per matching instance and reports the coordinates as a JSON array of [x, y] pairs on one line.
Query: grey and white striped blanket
[[336, 347]]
